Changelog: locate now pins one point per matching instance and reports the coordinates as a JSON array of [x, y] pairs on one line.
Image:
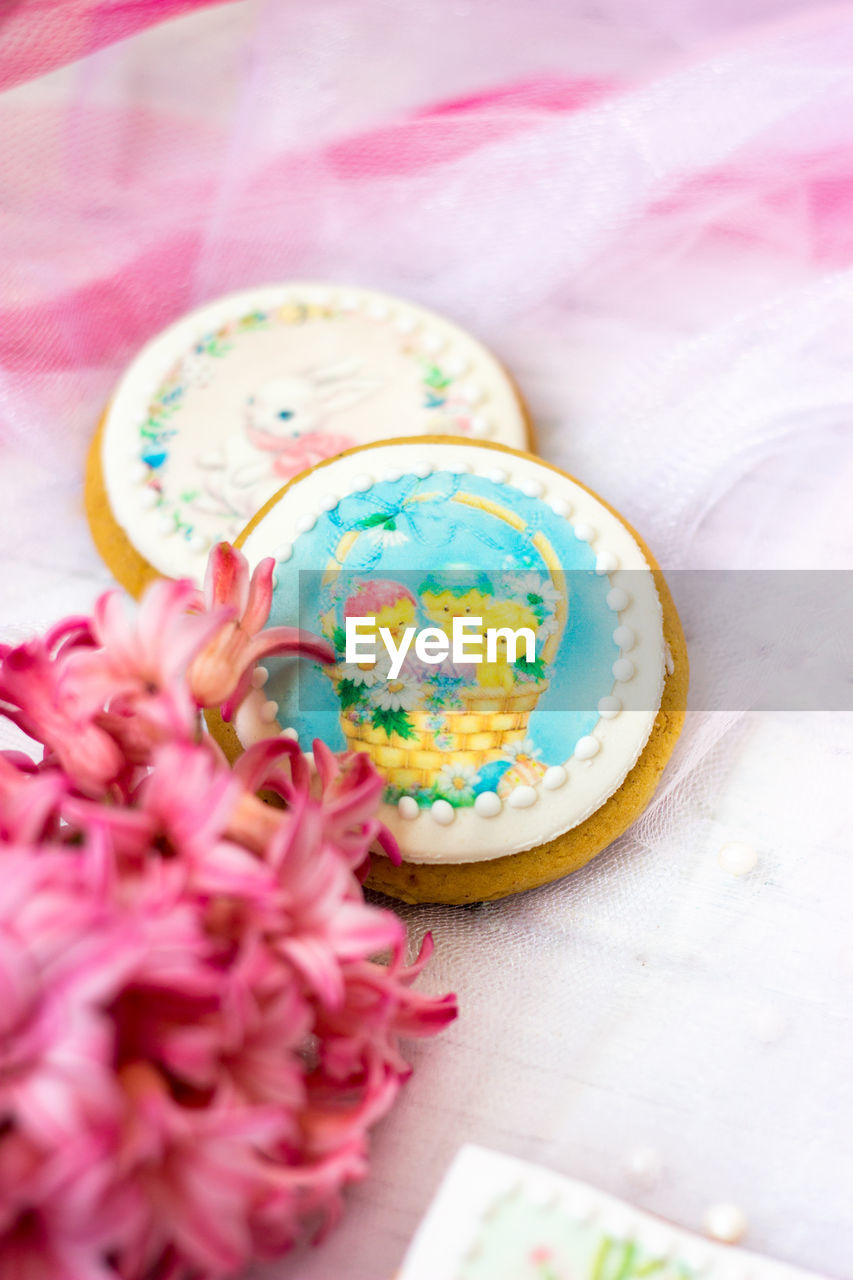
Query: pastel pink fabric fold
[[38, 35]]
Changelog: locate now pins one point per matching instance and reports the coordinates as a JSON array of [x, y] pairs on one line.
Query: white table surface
[[703, 383]]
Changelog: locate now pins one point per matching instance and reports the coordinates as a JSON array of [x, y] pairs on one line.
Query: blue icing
[[490, 776], [422, 537]]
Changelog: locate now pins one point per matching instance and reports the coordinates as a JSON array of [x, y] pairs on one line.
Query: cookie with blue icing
[[234, 399], [514, 757]]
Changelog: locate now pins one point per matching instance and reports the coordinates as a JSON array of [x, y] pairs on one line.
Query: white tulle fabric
[[647, 210]]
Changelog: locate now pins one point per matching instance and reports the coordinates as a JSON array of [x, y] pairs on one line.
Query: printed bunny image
[[284, 434]]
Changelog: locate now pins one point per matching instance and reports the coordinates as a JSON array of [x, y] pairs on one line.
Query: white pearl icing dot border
[[555, 777], [443, 812], [587, 747], [522, 797], [488, 804]]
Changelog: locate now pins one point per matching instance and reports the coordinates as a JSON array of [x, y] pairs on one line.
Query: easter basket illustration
[[433, 732]]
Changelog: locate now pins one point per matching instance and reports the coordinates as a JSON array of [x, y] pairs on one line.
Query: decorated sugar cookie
[[507, 655], [233, 400], [498, 1218]]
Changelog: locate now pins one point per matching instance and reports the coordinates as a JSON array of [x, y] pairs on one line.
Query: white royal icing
[[539, 798], [222, 408]]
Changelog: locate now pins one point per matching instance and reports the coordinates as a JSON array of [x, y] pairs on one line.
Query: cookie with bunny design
[[238, 397]]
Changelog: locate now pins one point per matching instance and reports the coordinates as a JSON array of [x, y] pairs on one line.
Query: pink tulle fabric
[[38, 35], [644, 207]]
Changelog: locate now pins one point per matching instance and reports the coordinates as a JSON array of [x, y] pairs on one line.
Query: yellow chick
[[396, 617], [443, 606], [499, 614]]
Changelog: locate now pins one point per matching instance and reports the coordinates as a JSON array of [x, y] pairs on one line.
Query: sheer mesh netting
[[646, 209]]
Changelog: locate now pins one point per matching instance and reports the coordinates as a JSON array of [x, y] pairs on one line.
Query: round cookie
[[234, 399], [513, 771]]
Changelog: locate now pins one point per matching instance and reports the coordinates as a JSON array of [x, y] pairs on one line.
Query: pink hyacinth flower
[[200, 1014], [221, 674], [33, 696], [140, 667]]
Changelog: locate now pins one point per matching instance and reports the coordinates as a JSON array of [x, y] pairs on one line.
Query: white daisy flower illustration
[[196, 369], [369, 674], [523, 749], [400, 694], [457, 782], [389, 537], [538, 584]]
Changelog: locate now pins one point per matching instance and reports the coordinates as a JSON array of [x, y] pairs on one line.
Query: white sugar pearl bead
[[422, 468], [443, 812], [561, 507], [361, 482], [488, 804], [497, 475], [609, 707], [284, 552], [643, 1166], [306, 522], [605, 562], [407, 808], [268, 712], [329, 501], [587, 747], [623, 669], [532, 488], [625, 638], [584, 532], [738, 858], [726, 1223], [617, 599], [260, 675]]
